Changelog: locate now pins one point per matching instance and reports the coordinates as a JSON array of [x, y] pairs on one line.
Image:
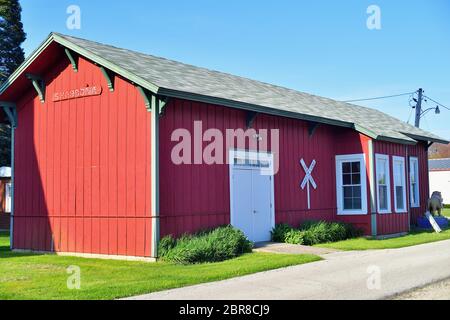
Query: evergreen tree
[[11, 56], [5, 145], [11, 37]]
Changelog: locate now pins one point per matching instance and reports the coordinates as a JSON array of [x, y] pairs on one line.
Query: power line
[[382, 97], [440, 104]]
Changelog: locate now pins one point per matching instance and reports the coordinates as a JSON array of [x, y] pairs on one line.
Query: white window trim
[[411, 160], [388, 183], [339, 184], [402, 160]]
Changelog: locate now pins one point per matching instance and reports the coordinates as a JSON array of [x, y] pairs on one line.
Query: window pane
[[382, 190], [348, 205], [357, 192], [357, 203], [381, 170], [381, 179], [398, 174], [356, 178], [356, 167], [399, 197], [348, 192], [347, 179], [346, 167], [414, 181]]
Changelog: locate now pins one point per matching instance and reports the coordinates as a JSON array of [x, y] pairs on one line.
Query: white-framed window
[[351, 184], [383, 183], [398, 164], [414, 181]]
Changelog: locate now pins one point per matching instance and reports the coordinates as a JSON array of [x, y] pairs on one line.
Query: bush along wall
[[315, 232], [208, 246]]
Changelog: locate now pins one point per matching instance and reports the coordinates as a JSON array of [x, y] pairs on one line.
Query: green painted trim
[[374, 225], [146, 97], [372, 187], [38, 85], [250, 118], [154, 147], [150, 100], [423, 138], [312, 127], [162, 105], [71, 59], [11, 112], [7, 104], [16, 74], [53, 37], [12, 115], [109, 78], [250, 107], [105, 63], [11, 221], [399, 141]]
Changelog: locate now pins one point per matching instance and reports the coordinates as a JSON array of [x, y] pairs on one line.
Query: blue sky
[[321, 47]]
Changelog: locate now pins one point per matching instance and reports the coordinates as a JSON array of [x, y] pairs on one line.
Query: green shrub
[[280, 231], [166, 244], [352, 232], [294, 236], [208, 246], [447, 206], [314, 232]]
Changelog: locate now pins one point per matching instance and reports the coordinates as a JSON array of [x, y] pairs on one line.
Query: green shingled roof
[[174, 79]]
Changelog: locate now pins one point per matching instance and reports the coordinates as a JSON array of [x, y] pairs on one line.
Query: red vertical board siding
[[197, 196], [82, 167], [399, 222]]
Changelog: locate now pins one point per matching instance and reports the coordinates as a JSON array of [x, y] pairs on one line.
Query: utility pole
[[419, 107]]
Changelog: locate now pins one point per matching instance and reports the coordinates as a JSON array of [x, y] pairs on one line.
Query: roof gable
[[174, 79]]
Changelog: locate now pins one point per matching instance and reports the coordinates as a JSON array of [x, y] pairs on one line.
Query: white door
[[251, 185], [262, 206]]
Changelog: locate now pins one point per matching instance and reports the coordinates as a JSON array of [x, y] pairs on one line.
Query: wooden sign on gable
[[77, 93]]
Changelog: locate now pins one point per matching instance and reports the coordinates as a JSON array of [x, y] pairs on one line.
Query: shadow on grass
[[5, 250]]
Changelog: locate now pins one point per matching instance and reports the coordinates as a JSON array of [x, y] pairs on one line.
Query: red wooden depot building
[[93, 171]]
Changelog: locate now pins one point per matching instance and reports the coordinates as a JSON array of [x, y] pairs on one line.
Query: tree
[[11, 56], [11, 37], [5, 145], [439, 151]]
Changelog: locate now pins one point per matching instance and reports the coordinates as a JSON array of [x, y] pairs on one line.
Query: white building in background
[[440, 177]]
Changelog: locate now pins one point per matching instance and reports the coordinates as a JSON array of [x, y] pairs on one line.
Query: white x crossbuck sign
[[308, 180]]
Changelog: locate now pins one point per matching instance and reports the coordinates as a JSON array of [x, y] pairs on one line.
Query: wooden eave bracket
[[250, 118], [72, 59], [38, 84], [312, 127], [151, 100], [10, 110], [109, 77]]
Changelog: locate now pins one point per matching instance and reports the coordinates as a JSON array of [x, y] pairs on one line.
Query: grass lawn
[[446, 212], [412, 239], [26, 276]]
